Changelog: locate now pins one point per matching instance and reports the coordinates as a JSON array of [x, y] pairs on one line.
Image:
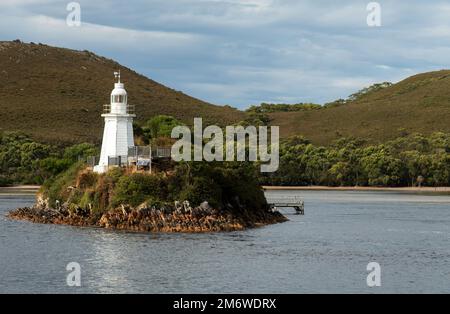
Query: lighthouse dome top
[[119, 89], [118, 94]]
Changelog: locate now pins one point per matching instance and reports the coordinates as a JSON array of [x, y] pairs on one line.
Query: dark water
[[327, 250]]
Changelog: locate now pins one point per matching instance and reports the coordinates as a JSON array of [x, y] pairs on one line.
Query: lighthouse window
[[118, 98]]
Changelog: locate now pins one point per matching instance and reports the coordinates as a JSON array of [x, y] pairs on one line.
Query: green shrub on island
[[59, 187], [232, 186], [136, 188]]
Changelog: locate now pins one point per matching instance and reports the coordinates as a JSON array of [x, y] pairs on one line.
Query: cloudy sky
[[243, 52]]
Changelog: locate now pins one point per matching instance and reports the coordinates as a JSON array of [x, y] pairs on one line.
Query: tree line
[[265, 108], [411, 160], [24, 161]]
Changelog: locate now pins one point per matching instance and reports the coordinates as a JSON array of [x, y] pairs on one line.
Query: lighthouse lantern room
[[118, 133]]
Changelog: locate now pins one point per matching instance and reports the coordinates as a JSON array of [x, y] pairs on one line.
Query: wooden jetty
[[295, 202]]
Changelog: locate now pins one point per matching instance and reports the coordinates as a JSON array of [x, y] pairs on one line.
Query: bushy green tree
[[352, 162], [83, 150], [24, 161], [160, 126]]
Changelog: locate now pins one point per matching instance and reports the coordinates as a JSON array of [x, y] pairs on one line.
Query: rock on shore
[[181, 218]]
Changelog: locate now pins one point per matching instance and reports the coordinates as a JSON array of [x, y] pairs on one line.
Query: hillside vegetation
[[413, 160], [406, 161], [420, 104], [56, 95]]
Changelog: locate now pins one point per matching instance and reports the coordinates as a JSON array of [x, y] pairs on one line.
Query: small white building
[[118, 133]]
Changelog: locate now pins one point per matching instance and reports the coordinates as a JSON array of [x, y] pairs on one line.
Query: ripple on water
[[327, 250]]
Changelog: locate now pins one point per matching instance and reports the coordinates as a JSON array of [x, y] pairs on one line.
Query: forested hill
[[419, 104], [57, 95]]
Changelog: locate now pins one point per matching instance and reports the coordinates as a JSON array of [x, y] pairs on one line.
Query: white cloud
[[242, 52]]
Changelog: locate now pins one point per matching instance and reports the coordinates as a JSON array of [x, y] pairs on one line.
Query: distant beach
[[359, 188], [19, 190], [32, 189]]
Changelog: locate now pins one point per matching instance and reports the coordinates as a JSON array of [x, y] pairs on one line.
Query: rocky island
[[193, 197]]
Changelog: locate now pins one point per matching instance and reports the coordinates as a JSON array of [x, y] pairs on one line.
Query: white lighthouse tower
[[118, 132]]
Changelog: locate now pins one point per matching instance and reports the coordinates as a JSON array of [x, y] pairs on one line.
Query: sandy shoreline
[[35, 188], [19, 189], [357, 188]]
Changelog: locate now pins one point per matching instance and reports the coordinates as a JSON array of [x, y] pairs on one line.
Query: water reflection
[[326, 250]]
